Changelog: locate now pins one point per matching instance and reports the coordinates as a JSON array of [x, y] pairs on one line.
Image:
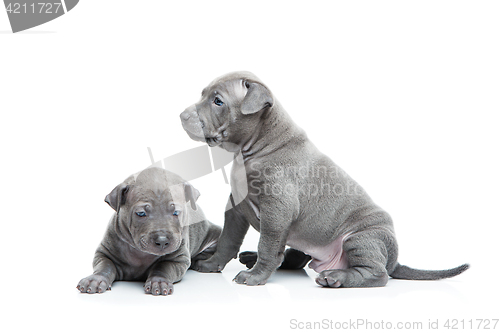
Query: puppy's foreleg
[[228, 245], [275, 221], [103, 277], [164, 274]]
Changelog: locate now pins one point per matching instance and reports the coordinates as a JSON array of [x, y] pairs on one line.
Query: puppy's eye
[[218, 102], [141, 214], [176, 213]]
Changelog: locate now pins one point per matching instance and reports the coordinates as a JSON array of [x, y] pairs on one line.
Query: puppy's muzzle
[[192, 124]]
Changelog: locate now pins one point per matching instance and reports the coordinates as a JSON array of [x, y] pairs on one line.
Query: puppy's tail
[[407, 273]]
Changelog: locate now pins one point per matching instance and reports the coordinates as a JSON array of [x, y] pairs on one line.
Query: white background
[[402, 95]]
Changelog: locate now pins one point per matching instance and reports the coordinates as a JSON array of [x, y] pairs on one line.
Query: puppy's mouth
[[216, 138], [211, 140], [196, 135], [214, 141], [199, 130]]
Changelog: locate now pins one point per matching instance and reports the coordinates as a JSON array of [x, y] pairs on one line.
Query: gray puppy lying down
[[154, 235], [296, 196]]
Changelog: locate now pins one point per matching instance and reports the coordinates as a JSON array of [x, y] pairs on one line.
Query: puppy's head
[[229, 110], [152, 207]]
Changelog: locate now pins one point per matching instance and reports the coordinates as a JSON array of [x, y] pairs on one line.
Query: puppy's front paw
[[94, 283], [208, 266], [251, 278], [157, 285]]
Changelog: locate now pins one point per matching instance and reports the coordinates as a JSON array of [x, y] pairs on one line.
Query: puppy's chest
[[135, 266], [240, 182]]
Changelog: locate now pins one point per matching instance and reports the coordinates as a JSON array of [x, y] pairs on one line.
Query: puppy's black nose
[[161, 241]]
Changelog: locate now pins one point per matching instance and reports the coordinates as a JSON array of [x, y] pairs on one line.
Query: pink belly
[[328, 257]]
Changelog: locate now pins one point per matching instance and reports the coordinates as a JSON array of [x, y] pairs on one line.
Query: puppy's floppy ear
[[191, 194], [257, 98], [118, 196]]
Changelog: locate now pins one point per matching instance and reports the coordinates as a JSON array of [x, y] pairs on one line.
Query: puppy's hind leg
[[248, 258], [367, 253]]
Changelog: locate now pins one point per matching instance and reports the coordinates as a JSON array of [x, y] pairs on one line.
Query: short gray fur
[[274, 148], [157, 248]]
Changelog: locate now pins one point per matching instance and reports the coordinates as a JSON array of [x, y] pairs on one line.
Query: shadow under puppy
[[154, 236]]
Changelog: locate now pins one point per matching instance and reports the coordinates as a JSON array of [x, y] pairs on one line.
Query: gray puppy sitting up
[[297, 196], [154, 235]]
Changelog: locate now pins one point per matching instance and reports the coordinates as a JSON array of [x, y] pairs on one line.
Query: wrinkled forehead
[[152, 185], [152, 194], [230, 89], [177, 193], [157, 194], [232, 84]]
